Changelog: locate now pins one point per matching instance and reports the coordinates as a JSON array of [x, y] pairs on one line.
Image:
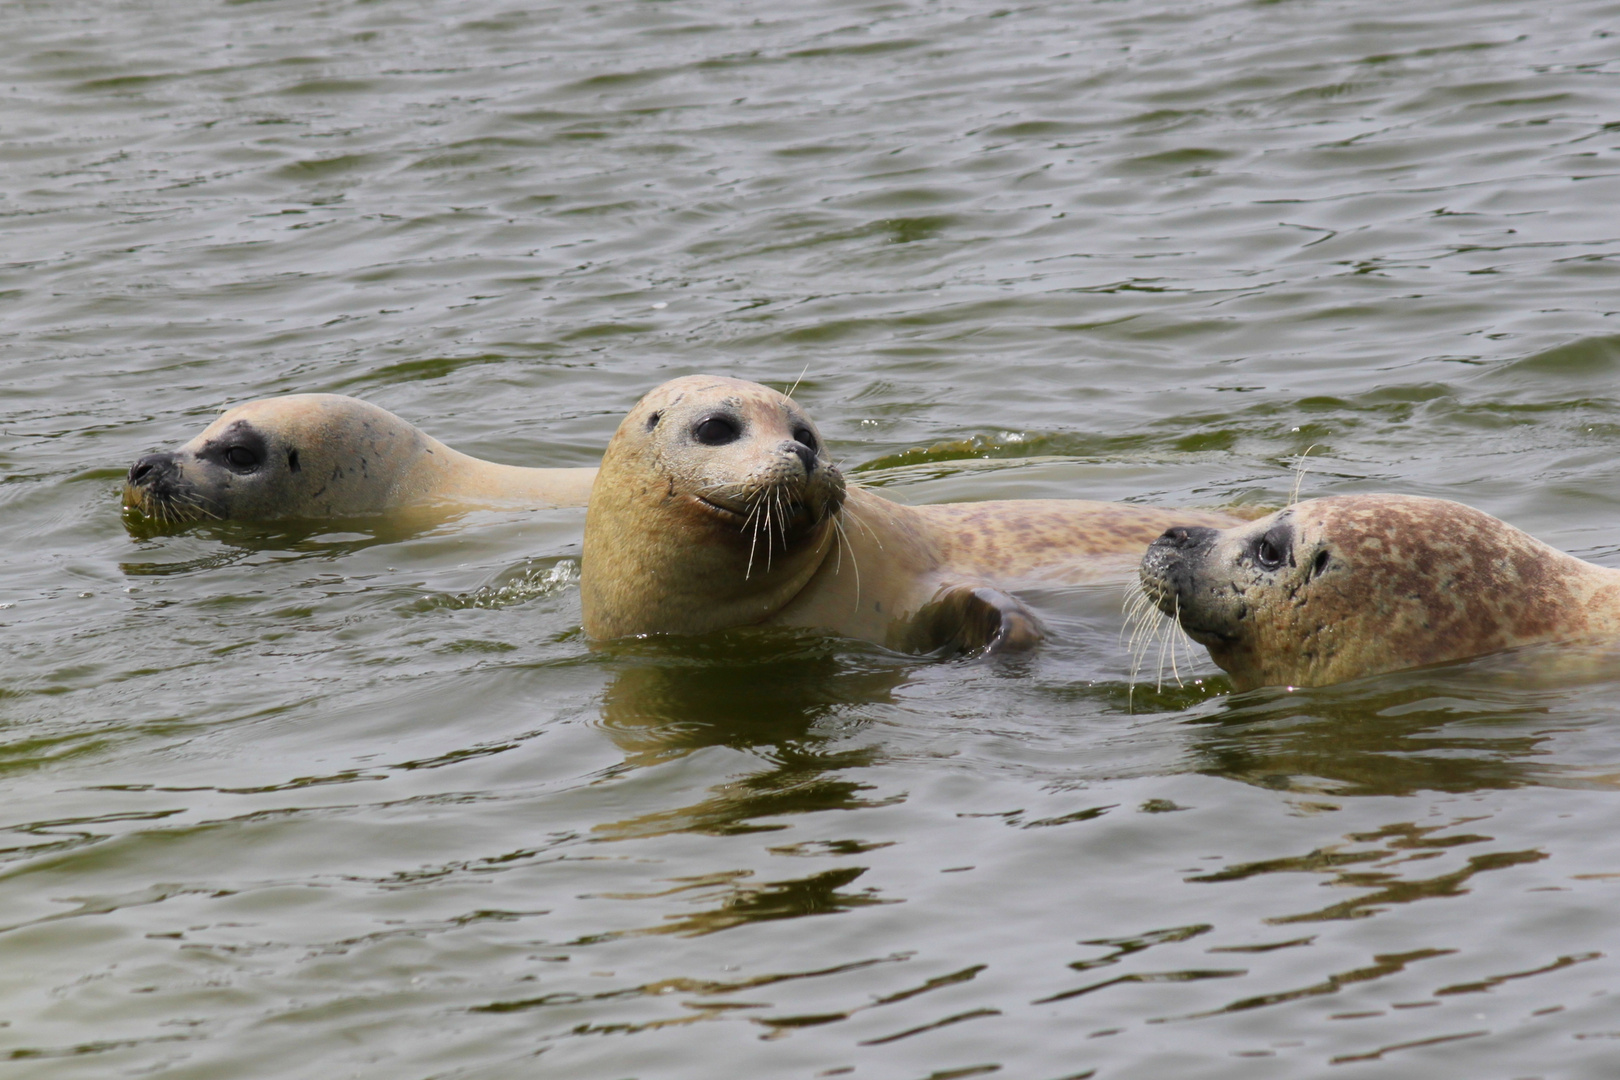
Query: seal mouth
[[166, 508], [1162, 589], [783, 508], [738, 517], [776, 516], [1179, 607]]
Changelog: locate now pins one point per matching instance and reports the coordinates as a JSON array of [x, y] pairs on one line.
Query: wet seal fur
[[314, 456], [1352, 585], [718, 506]]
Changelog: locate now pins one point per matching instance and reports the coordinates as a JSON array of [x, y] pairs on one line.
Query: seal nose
[[150, 467], [806, 456], [1185, 537]]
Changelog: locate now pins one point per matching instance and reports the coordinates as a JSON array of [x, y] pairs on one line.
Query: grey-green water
[[365, 804]]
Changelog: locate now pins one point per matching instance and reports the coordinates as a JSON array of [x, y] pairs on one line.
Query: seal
[[317, 456], [1352, 585], [718, 506]]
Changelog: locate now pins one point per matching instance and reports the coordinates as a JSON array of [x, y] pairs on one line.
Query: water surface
[[363, 802]]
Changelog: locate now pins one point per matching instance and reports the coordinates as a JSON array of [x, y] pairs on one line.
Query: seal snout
[[1167, 568], [150, 484], [152, 470], [156, 487], [805, 454]]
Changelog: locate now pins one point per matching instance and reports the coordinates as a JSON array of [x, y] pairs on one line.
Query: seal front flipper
[[972, 620]]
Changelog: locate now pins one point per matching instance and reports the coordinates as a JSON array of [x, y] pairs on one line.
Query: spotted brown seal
[[1336, 588], [718, 506], [328, 456]]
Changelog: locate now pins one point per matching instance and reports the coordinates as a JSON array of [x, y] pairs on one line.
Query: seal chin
[[1206, 637]]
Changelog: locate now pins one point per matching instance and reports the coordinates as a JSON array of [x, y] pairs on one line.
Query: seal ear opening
[[962, 620]]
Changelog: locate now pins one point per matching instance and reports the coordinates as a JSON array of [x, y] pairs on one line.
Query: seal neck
[[450, 479]]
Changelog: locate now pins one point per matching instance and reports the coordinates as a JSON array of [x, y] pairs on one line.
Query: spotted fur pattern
[[1362, 584]]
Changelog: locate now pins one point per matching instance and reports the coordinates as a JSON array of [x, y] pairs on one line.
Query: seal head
[[303, 455], [715, 506], [1337, 588], [317, 456]]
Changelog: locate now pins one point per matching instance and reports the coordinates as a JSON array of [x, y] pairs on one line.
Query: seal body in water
[[327, 456], [718, 506], [1337, 588]]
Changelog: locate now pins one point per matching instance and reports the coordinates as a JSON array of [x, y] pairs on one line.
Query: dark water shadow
[[1489, 724], [204, 545], [789, 699]]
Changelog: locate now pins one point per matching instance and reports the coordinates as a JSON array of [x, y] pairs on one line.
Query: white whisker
[[1150, 627], [771, 539], [1175, 641], [198, 508], [753, 540], [1299, 474], [842, 538], [1164, 640], [854, 519], [799, 380]]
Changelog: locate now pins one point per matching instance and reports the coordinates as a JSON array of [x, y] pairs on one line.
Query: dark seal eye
[[243, 457], [716, 431], [805, 437], [1272, 550]]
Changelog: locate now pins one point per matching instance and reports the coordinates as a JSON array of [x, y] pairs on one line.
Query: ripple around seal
[[519, 585]]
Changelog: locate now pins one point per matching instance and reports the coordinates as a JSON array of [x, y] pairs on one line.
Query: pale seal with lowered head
[[316, 456], [1336, 588], [718, 506]]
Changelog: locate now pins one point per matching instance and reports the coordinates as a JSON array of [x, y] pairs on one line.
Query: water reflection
[[789, 699], [1484, 725], [1384, 964], [1376, 867], [743, 689], [735, 903], [226, 542]]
